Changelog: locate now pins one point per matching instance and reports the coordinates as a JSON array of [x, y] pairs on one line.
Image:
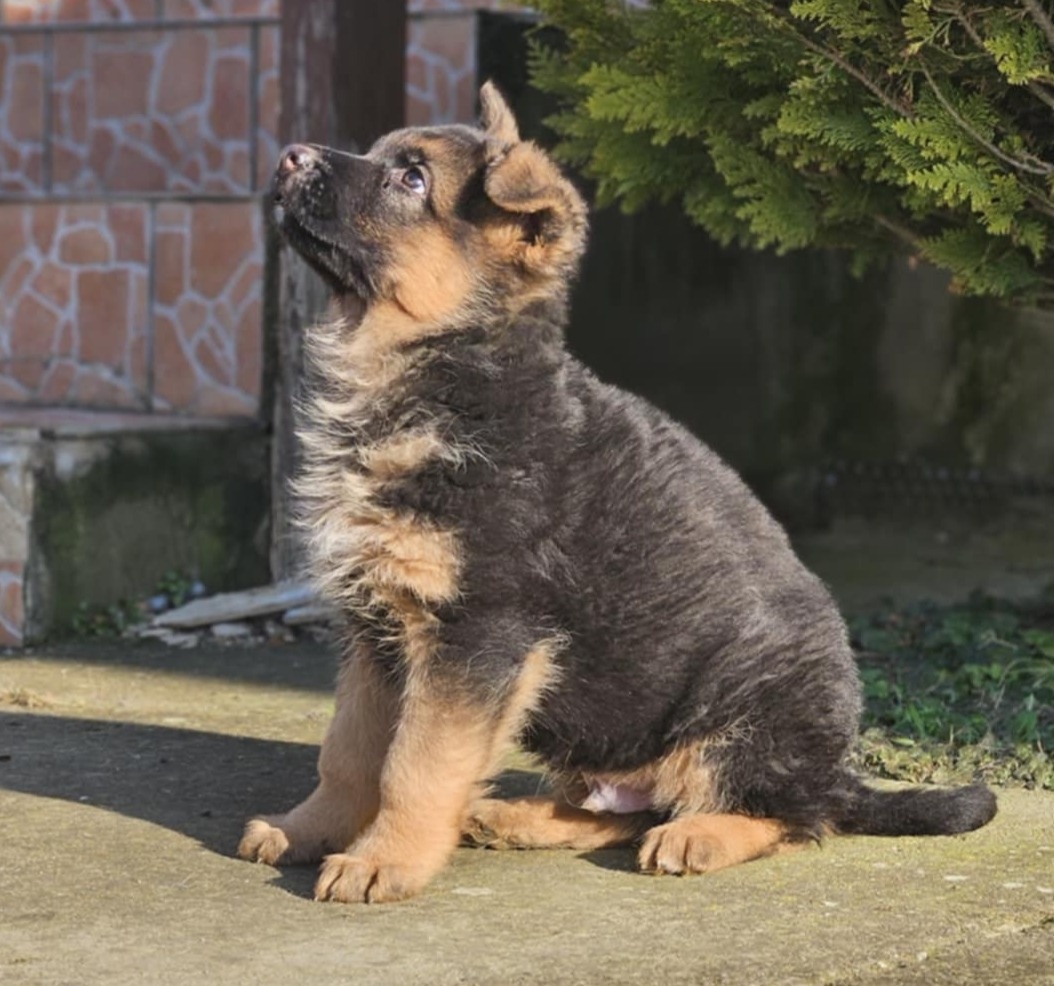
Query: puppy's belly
[[617, 798]]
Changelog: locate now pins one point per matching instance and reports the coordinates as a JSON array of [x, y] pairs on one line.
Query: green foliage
[[954, 692], [828, 123], [117, 618], [106, 621], [177, 586]]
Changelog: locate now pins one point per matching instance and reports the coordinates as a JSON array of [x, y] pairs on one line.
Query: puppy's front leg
[[451, 736], [349, 767], [438, 755]]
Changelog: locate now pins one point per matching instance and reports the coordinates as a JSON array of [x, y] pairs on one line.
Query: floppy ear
[[522, 179]]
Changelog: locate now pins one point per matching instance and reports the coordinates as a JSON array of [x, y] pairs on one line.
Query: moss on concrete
[[112, 514]]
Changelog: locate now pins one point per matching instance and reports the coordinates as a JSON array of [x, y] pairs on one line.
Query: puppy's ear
[[496, 119], [549, 215]]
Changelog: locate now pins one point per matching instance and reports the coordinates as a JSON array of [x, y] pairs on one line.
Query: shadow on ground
[[203, 785]]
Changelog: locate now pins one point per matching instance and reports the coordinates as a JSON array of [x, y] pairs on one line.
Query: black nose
[[296, 157]]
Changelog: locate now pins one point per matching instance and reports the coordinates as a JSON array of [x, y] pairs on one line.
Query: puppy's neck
[[366, 346]]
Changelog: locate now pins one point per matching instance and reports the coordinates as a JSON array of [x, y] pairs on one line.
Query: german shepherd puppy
[[525, 554]]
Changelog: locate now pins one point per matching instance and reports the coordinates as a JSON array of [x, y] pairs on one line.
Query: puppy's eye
[[415, 180]]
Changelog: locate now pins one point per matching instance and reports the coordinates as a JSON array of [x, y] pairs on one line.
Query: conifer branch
[[1042, 93], [1041, 18], [828, 143], [873, 87], [1041, 204], [783, 18], [900, 231], [1040, 168]]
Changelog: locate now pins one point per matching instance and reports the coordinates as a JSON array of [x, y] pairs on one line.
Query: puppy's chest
[[371, 552]]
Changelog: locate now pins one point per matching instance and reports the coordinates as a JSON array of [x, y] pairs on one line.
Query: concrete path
[[126, 772]]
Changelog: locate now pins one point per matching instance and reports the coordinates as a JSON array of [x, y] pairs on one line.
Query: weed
[[177, 586], [114, 619], [962, 691], [106, 621]]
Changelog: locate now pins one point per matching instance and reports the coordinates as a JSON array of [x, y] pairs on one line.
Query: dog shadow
[[201, 784]]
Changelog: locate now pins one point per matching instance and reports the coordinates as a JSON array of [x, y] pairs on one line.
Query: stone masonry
[[135, 139]]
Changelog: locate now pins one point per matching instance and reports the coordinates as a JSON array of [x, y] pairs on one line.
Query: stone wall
[[136, 137], [441, 73]]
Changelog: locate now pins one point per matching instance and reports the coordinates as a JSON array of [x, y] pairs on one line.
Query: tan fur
[[537, 676], [495, 117], [402, 454], [431, 277], [439, 751], [705, 843], [349, 766], [363, 555], [407, 554], [679, 782], [523, 180], [442, 749], [545, 823], [418, 627]]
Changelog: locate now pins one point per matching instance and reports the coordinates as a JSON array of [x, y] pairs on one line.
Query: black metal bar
[[151, 299], [152, 24], [254, 103], [49, 123], [122, 197]]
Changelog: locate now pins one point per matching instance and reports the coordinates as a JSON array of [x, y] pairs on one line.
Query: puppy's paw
[[270, 840], [679, 849], [485, 825], [704, 843], [367, 880]]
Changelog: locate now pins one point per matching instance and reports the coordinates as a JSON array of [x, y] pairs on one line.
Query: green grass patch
[[954, 693]]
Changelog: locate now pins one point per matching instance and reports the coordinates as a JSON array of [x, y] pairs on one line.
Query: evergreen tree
[[832, 123]]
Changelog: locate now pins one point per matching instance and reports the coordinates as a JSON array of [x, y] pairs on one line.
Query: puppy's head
[[449, 224]]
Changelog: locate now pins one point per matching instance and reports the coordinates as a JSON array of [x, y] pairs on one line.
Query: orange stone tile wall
[[135, 139], [131, 234], [441, 59], [130, 167]]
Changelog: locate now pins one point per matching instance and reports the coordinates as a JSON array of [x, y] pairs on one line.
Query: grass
[[961, 692]]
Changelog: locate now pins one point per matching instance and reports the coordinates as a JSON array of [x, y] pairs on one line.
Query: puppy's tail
[[864, 810]]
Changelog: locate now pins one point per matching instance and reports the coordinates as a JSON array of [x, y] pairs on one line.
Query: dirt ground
[[127, 771]]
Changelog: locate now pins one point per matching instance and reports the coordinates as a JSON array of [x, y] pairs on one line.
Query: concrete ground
[[127, 771]]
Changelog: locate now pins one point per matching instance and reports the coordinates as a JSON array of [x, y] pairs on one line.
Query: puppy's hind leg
[[704, 843], [545, 823], [349, 766]]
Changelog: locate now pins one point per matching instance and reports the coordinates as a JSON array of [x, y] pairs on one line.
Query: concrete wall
[[785, 363]]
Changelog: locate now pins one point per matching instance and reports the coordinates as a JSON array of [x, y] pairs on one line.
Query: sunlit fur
[[520, 552]]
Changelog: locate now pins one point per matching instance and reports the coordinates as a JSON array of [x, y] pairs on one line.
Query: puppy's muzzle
[[296, 157]]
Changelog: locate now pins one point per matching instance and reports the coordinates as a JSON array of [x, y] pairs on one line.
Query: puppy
[[524, 554]]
